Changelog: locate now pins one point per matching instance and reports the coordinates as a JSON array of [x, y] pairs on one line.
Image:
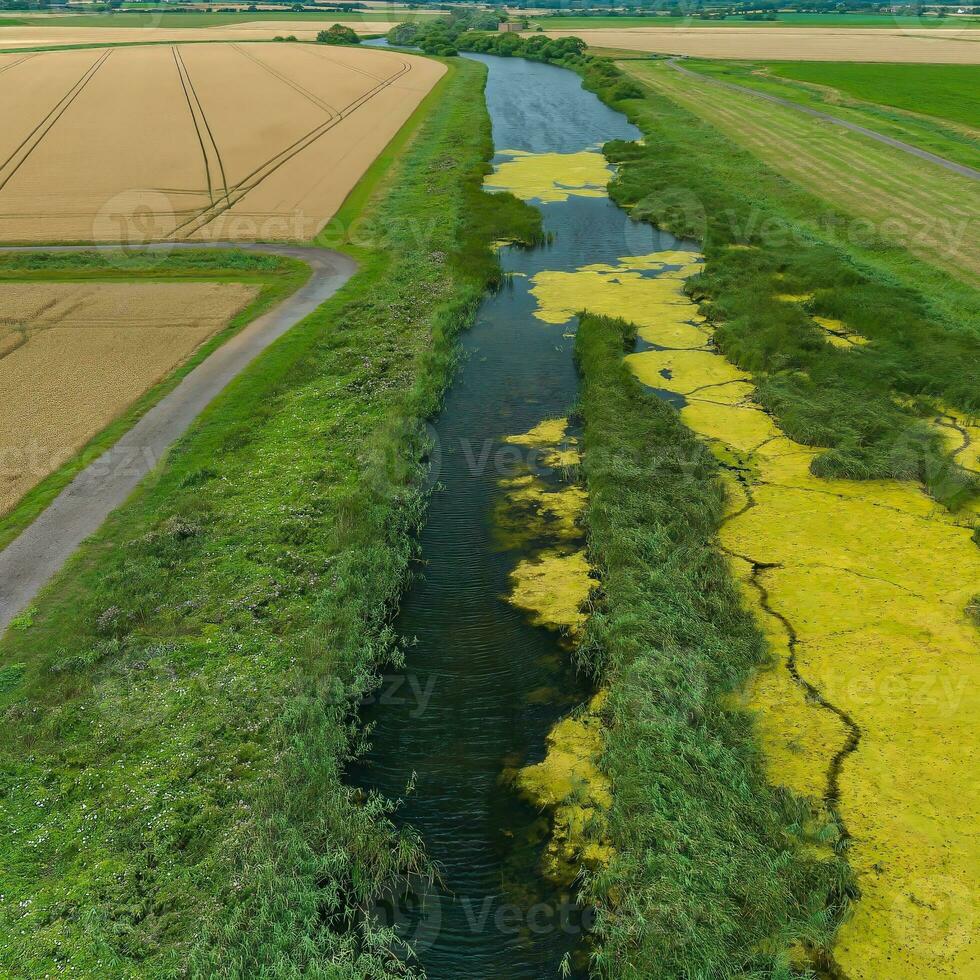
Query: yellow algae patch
[[549, 177], [794, 297], [658, 306], [864, 587], [553, 588], [688, 371], [553, 583], [550, 436], [531, 510], [838, 334], [577, 793]]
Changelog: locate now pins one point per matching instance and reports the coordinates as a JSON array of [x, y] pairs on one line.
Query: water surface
[[482, 687]]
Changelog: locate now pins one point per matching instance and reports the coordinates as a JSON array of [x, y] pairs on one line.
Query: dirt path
[[29, 562], [957, 168]]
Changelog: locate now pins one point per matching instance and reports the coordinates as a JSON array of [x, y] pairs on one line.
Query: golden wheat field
[[74, 356], [953, 47], [198, 141], [39, 35]]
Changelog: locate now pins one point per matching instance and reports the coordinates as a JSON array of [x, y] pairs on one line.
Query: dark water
[[482, 687]]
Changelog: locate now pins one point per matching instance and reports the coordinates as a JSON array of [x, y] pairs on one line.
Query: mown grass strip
[[177, 709], [716, 873], [939, 124], [928, 211]]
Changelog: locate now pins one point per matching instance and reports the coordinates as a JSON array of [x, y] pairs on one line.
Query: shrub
[[338, 34]]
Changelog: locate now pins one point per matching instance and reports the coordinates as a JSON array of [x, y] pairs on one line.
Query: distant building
[[511, 25]]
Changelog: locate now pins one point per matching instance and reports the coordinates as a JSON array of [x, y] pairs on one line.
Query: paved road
[[956, 168], [29, 562]]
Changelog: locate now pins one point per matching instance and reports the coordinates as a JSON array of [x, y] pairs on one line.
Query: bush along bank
[[715, 872], [177, 707]]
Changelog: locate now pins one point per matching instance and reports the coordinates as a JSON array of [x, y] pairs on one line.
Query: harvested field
[[899, 198], [954, 47], [74, 356], [146, 143], [37, 36]]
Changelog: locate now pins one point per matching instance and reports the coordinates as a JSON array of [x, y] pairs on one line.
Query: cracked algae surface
[[552, 585], [549, 177], [862, 590]]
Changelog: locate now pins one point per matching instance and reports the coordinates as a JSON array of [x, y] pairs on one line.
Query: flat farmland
[[892, 195], [954, 47], [205, 142], [80, 30], [75, 356]]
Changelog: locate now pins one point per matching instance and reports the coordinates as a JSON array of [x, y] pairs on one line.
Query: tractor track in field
[[248, 183], [36, 555], [48, 122], [190, 93]]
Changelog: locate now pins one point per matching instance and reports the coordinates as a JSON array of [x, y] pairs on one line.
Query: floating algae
[[622, 290], [862, 589], [552, 585], [570, 785], [550, 438], [549, 177], [553, 582]]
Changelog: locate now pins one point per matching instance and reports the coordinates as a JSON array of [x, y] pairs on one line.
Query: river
[[482, 685]]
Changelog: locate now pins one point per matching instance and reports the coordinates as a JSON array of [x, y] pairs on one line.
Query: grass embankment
[[928, 106], [276, 277], [710, 877], [177, 712], [899, 198]]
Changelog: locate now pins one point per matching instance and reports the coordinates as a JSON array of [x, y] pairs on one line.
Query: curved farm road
[[37, 554], [957, 168]]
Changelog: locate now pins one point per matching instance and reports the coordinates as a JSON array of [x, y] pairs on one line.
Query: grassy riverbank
[[177, 706], [710, 876]]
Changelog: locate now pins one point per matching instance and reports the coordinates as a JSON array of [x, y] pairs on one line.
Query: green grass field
[[177, 706], [573, 23], [944, 91]]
